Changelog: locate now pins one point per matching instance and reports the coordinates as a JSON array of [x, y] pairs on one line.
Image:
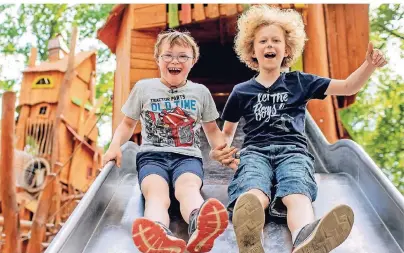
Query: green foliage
[[385, 24], [375, 120], [7, 85], [33, 25]]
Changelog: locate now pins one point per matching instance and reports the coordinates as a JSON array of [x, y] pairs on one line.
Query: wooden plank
[[32, 57], [186, 14], [142, 64], [227, 9], [8, 189], [143, 42], [138, 74], [21, 127], [173, 16], [148, 17], [212, 11], [198, 13], [316, 48], [342, 40], [143, 34], [141, 6], [121, 75], [352, 49], [300, 6], [142, 56]]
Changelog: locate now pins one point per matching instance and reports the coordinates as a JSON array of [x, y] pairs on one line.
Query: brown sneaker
[[248, 222], [153, 237], [205, 225], [327, 233]]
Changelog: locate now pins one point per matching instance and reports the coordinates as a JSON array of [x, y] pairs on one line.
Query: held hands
[[224, 155], [113, 153], [375, 57]]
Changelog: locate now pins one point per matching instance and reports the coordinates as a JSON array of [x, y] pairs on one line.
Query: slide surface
[[344, 172]]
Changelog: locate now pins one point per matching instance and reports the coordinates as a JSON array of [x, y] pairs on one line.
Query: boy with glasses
[[172, 110]]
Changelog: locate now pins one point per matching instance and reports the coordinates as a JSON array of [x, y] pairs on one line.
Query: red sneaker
[[152, 237], [205, 225]]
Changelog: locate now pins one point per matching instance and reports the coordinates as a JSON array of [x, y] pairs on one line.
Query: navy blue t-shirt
[[275, 115]]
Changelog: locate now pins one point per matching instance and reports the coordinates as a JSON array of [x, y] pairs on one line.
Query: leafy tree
[[33, 25], [375, 120]]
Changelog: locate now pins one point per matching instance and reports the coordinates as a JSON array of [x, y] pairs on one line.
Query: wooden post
[[316, 48], [32, 57], [52, 180], [8, 191]]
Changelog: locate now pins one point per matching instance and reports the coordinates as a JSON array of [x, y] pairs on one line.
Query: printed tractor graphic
[[180, 125], [280, 123]]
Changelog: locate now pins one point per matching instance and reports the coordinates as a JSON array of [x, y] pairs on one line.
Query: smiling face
[[176, 71], [269, 47]]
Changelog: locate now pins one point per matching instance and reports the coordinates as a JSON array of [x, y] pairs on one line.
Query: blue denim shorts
[[276, 170], [168, 165]]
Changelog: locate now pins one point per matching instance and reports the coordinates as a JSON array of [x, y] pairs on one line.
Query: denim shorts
[[168, 165], [276, 170]]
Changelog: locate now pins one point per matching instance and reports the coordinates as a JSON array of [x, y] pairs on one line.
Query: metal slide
[[345, 174]]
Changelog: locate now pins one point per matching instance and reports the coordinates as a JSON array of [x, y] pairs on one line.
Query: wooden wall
[[122, 73], [347, 40], [29, 95], [316, 62]]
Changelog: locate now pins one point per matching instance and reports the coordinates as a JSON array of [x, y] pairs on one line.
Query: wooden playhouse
[[338, 37], [35, 128]]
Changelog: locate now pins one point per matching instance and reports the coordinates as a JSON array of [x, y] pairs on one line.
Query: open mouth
[[270, 55], [174, 71]]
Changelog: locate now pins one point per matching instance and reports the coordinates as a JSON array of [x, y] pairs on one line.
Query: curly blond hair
[[262, 15], [174, 37]]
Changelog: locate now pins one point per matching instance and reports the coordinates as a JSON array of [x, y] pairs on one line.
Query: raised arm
[[354, 82]]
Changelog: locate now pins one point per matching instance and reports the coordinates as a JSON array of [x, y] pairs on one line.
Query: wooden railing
[[174, 15], [38, 135]]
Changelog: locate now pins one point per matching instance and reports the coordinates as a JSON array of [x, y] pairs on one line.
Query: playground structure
[[101, 222], [54, 141], [344, 172]]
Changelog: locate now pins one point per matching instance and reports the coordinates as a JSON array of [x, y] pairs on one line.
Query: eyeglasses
[[180, 58]]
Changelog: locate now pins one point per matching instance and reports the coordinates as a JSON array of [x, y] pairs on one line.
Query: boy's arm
[[229, 129], [218, 142], [223, 153], [124, 131], [351, 85], [122, 134]]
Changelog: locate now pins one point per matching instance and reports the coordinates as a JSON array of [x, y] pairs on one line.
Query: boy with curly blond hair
[[273, 104], [172, 110]]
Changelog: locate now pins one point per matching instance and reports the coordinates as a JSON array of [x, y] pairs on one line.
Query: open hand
[[375, 56]]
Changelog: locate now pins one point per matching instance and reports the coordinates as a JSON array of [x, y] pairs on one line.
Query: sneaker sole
[[248, 222], [151, 238], [332, 230], [212, 221]]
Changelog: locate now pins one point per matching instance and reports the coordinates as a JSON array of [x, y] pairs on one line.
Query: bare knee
[[187, 184], [155, 190], [294, 200], [264, 200]]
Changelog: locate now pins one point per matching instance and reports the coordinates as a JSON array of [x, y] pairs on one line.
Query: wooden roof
[[108, 33], [61, 65]]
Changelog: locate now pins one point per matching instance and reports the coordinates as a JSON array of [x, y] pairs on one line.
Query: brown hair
[[174, 37]]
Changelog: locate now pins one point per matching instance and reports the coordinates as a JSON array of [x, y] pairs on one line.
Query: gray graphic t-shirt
[[171, 118]]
